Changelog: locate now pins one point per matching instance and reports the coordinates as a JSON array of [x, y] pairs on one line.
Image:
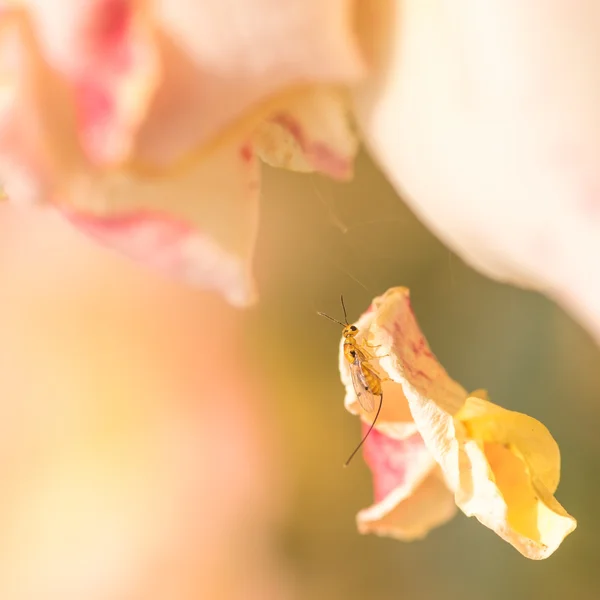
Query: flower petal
[[105, 51], [507, 498], [410, 496], [489, 422], [502, 466], [38, 133], [198, 221], [174, 248], [199, 224], [312, 132], [433, 397], [395, 419], [512, 471], [221, 60], [493, 134]]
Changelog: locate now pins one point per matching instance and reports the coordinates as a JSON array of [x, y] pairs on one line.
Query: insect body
[[365, 380]]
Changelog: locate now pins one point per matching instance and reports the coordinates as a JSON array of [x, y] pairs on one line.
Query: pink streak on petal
[[172, 247], [112, 57], [322, 157], [247, 153], [107, 45], [387, 458]]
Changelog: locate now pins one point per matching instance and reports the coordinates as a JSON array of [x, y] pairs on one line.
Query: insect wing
[[364, 395]]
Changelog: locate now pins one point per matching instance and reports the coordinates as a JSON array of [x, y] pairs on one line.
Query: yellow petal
[[489, 422], [506, 497], [512, 470], [311, 132], [502, 466], [411, 497]]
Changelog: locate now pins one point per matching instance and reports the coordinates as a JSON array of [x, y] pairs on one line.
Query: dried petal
[[433, 397], [513, 468], [411, 497], [502, 466]]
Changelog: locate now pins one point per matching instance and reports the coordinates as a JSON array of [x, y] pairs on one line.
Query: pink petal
[[38, 135], [112, 109], [198, 222], [106, 52], [174, 248], [140, 213], [502, 466], [485, 115], [410, 496], [312, 132], [222, 59], [390, 325], [427, 397]]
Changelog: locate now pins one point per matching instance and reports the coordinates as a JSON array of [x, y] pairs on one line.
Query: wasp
[[365, 380]]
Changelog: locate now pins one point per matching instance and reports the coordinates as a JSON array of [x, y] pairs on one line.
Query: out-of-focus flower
[[485, 116], [501, 466], [134, 463], [144, 123]]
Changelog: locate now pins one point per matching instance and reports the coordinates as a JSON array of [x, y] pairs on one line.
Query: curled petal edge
[[174, 248]]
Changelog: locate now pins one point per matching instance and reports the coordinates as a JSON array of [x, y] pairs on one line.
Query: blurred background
[[158, 444]]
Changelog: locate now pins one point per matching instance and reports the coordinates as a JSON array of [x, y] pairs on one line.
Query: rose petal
[[38, 133], [513, 469], [221, 59], [502, 466], [493, 134], [174, 248], [492, 423], [311, 133], [218, 195], [51, 147], [507, 499], [433, 397], [410, 496], [209, 240], [105, 51]]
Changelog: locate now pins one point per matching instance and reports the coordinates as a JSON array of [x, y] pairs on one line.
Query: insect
[[365, 380]]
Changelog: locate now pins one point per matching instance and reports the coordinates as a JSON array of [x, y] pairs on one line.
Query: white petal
[[485, 116]]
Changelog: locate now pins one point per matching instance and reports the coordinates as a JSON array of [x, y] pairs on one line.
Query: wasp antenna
[[366, 434], [344, 308], [331, 319]]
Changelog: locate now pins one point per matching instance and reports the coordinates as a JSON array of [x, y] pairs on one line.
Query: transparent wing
[[365, 397]]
